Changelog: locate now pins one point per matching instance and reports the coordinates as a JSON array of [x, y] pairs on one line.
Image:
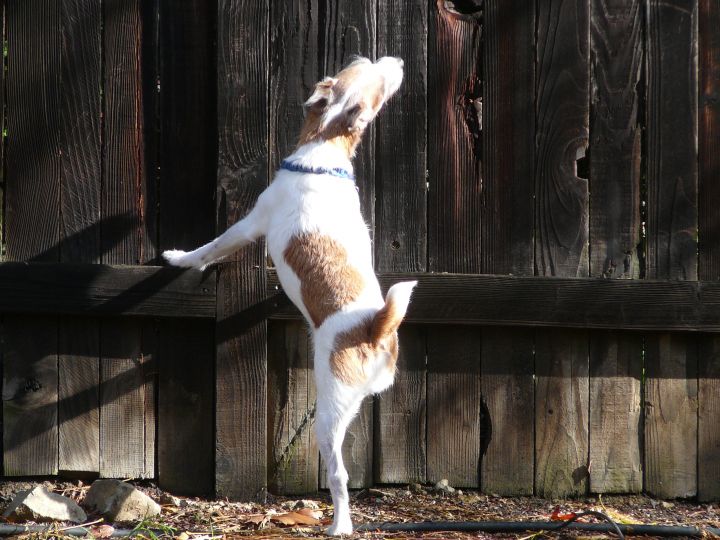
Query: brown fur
[[386, 322], [327, 281], [353, 349]]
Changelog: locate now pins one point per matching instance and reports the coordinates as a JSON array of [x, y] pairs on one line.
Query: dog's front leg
[[245, 231]]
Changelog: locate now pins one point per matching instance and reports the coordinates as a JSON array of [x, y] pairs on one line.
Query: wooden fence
[[549, 170]]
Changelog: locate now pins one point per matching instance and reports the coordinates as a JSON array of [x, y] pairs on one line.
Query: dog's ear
[[319, 101]]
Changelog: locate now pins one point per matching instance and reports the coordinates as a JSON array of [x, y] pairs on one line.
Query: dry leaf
[[295, 518], [317, 514], [102, 531]]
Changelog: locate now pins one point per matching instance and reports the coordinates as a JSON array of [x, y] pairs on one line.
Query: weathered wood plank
[[561, 412], [30, 395], [508, 390], [709, 243], [455, 210], [615, 142], [186, 459], [100, 290], [672, 219], [671, 415], [241, 374], [127, 192], [293, 449], [453, 406], [615, 412], [32, 224], [548, 302], [400, 220], [122, 400], [561, 234], [186, 350], [400, 416], [508, 148], [80, 193]]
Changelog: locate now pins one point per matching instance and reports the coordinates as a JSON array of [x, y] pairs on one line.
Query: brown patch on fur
[[353, 350], [327, 281], [386, 321]]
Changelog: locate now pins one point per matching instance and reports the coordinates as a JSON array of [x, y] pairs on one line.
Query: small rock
[[666, 504], [417, 488], [39, 504], [458, 492], [305, 503], [444, 486], [119, 501], [166, 498]]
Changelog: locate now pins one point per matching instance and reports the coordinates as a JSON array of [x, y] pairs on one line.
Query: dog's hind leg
[[245, 231], [331, 422]]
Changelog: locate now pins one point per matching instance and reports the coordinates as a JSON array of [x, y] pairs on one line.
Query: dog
[[321, 247]]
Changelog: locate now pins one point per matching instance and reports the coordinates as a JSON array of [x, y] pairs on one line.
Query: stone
[[444, 486], [39, 504], [119, 501]]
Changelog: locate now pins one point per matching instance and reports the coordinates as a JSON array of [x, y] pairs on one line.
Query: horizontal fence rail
[[550, 302], [96, 289]]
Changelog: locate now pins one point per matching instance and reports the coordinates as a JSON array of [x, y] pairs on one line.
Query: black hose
[[537, 526]]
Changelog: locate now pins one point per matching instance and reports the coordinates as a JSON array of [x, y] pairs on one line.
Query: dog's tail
[[388, 319]]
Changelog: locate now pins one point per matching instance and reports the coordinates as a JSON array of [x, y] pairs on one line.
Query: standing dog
[[310, 215]]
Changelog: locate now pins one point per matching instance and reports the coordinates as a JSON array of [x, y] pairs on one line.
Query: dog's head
[[345, 104]]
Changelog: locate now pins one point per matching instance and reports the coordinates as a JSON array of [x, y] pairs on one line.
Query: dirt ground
[[286, 517]]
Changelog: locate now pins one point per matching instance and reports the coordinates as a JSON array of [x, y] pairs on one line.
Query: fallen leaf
[[316, 514], [102, 531], [295, 518], [557, 516]]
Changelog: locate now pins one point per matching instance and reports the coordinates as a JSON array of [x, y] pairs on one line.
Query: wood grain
[[400, 416], [241, 370], [293, 448], [126, 189], [614, 161], [561, 413], [672, 220], [453, 406], [506, 235], [80, 195], [671, 415], [188, 150], [709, 242], [615, 412], [508, 390], [32, 223]]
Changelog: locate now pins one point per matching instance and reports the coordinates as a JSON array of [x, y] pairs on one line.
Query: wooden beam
[[100, 290], [550, 302]]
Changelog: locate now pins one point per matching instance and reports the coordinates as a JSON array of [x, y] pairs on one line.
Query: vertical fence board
[[32, 182], [615, 419], [241, 371], [709, 244], [186, 354], [126, 199], [561, 362], [454, 205], [671, 404], [561, 411], [615, 152], [400, 429], [508, 147], [508, 391], [80, 144], [292, 448], [453, 404], [671, 415], [400, 231]]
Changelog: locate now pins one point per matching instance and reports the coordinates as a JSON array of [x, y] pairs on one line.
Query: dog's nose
[[400, 62]]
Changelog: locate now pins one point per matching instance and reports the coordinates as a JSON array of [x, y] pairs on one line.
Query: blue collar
[[335, 171]]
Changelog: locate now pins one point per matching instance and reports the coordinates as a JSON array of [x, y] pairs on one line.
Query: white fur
[[297, 203]]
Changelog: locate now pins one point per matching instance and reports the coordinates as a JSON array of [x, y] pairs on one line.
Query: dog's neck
[[321, 153], [344, 140]]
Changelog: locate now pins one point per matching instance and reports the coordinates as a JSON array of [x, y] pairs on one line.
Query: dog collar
[[339, 172]]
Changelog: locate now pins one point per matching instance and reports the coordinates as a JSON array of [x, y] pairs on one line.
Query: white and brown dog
[[310, 215]]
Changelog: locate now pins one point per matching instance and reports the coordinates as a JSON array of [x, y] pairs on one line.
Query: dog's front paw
[[177, 257]]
